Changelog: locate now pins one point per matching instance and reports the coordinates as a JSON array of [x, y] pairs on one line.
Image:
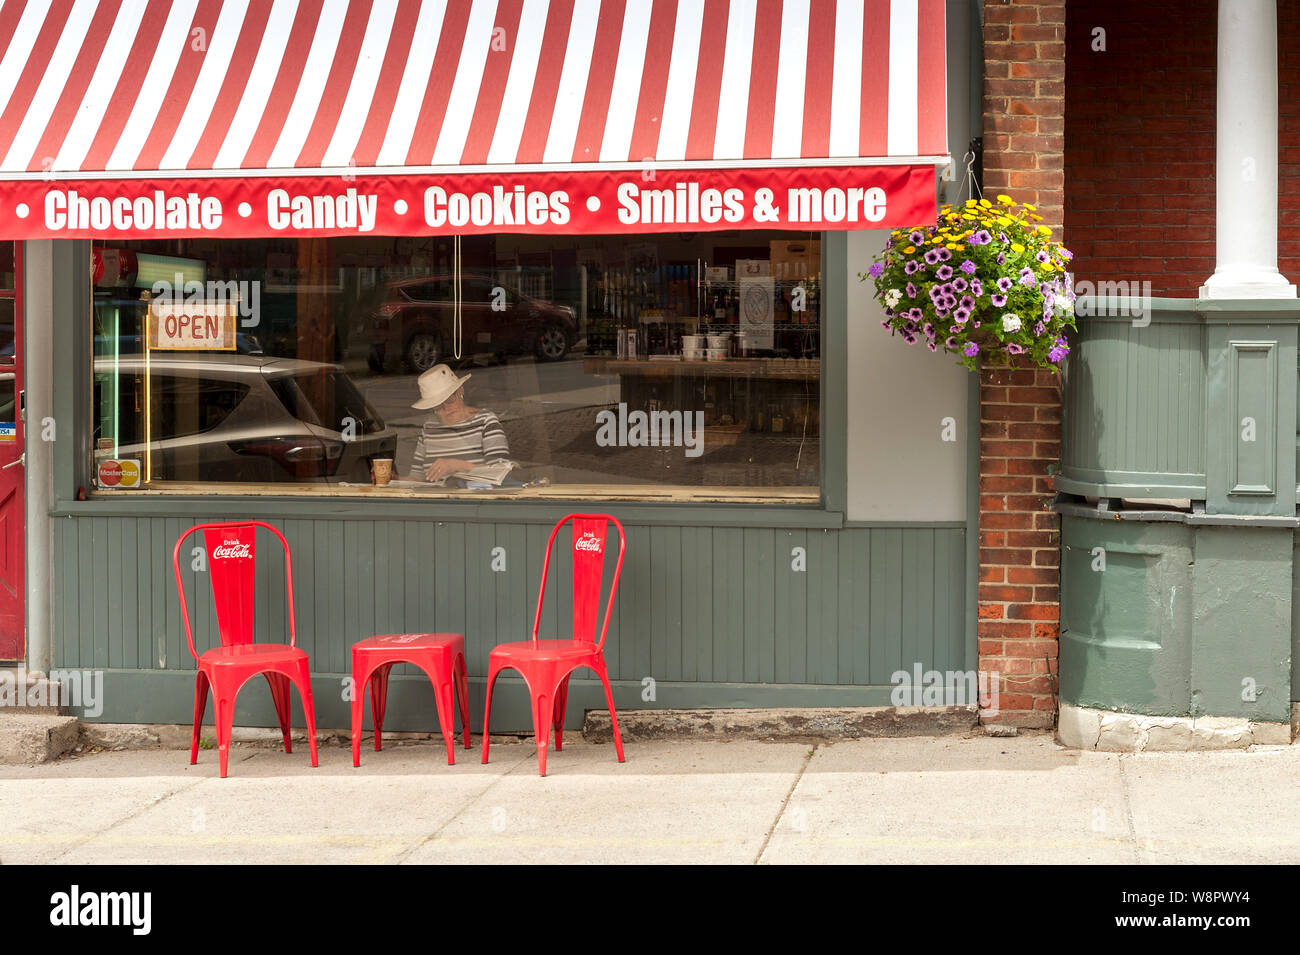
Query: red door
[[12, 516]]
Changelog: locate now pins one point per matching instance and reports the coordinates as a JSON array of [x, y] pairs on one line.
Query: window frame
[[74, 459]]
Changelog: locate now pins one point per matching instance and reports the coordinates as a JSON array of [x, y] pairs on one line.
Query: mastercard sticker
[[117, 474]]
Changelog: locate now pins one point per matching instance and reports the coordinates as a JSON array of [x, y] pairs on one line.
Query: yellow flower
[[986, 204], [1003, 220], [909, 250], [1017, 247], [1036, 216], [1031, 207], [1006, 200], [937, 240], [1047, 266], [969, 203], [953, 246], [1044, 230]]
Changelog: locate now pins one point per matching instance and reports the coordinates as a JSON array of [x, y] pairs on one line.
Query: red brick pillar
[[1020, 408]]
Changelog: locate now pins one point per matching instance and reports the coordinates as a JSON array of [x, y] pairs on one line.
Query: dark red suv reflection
[[409, 322]]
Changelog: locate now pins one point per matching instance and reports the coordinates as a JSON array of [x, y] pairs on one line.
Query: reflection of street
[[514, 390], [548, 411]]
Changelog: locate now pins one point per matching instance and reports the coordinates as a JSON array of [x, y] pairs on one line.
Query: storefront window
[[638, 367]]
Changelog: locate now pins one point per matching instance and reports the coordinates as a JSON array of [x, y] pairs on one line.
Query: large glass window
[[640, 367]]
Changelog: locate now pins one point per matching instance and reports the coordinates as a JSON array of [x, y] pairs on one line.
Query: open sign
[[193, 326]]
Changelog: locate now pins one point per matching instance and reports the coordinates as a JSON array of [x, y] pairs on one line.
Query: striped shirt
[[478, 440]]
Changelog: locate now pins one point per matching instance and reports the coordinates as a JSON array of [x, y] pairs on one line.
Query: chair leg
[[462, 693], [561, 699], [444, 702], [225, 716], [379, 701], [359, 681], [302, 680], [543, 711], [200, 705], [493, 671], [613, 716], [279, 684]]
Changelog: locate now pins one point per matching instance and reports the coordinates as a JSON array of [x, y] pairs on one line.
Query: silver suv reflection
[[216, 418]]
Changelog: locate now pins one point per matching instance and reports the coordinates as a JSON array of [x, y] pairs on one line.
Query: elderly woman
[[457, 437]]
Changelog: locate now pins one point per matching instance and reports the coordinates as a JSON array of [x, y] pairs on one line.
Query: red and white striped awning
[[236, 98]]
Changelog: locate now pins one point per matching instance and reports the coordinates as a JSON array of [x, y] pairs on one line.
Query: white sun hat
[[437, 385]]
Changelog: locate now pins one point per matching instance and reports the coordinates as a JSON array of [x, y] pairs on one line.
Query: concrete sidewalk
[[916, 800]]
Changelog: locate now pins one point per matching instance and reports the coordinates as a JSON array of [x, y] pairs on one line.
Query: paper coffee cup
[[381, 469]]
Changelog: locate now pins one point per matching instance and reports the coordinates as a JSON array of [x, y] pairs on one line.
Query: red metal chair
[[546, 665], [232, 552], [440, 655]]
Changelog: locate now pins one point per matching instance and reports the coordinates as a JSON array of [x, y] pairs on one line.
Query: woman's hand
[[442, 467]]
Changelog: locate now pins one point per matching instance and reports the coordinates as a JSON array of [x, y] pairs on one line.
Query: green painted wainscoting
[[715, 615]]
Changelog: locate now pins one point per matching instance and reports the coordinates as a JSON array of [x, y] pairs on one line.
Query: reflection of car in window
[[241, 418], [411, 322]]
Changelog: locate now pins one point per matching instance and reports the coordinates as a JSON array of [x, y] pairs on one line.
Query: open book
[[492, 473]]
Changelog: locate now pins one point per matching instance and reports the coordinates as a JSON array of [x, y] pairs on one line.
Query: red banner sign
[[807, 198]]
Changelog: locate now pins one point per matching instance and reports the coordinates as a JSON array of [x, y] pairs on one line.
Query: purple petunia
[[959, 285], [1004, 284], [909, 338], [944, 272], [976, 287], [932, 346], [932, 257], [1039, 329], [928, 328], [981, 237], [944, 254], [1042, 256], [1027, 277], [1002, 258], [971, 350], [877, 269], [915, 314], [885, 324], [910, 289], [998, 300], [967, 266], [1002, 237], [961, 316], [967, 302], [917, 237], [1055, 355], [911, 267], [1015, 349]]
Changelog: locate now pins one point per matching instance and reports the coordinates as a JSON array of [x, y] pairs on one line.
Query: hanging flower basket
[[985, 283]]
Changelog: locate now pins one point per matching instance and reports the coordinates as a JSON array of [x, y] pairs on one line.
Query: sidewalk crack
[[401, 857], [1128, 812], [785, 802]]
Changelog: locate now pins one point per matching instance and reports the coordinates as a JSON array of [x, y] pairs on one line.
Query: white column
[[1246, 161]]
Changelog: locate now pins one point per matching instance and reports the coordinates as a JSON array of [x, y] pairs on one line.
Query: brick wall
[[1139, 140], [1020, 408]]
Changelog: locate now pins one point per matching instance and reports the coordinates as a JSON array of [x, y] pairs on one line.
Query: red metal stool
[[440, 655]]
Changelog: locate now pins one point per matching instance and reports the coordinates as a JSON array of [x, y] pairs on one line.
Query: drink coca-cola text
[[231, 549]]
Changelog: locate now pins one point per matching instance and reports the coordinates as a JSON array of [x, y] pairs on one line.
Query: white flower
[[893, 297], [1010, 322]]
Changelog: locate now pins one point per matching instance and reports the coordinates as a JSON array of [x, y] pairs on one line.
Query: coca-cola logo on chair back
[[232, 565], [588, 570]]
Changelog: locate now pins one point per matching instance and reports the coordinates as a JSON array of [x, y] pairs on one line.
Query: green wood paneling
[[1135, 400], [698, 604]]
